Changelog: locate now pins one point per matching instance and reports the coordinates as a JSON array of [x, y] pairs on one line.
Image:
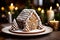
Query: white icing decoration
[[15, 24]]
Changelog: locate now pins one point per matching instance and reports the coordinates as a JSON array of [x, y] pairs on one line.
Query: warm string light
[[11, 7], [39, 9], [2, 8], [9, 13], [16, 8], [42, 11], [57, 4]]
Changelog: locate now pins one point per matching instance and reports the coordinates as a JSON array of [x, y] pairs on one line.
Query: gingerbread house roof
[[26, 14]]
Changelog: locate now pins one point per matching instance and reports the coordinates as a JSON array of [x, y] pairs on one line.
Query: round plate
[[47, 30], [30, 32]]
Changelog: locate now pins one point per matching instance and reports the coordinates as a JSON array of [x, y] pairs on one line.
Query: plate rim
[[3, 30]]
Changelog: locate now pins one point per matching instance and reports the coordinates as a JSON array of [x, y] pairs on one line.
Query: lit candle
[[10, 17], [54, 21], [57, 4], [54, 24], [50, 14], [39, 9], [11, 7], [16, 8]]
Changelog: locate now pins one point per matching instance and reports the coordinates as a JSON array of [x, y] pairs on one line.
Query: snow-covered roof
[[26, 13]]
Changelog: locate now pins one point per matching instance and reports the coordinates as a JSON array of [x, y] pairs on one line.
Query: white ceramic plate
[[47, 30]]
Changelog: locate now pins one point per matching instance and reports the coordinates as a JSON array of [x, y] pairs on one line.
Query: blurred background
[[19, 5]]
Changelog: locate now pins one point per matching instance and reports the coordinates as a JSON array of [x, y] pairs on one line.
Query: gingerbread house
[[28, 20]]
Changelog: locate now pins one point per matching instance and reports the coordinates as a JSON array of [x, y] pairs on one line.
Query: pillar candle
[[10, 17], [50, 14]]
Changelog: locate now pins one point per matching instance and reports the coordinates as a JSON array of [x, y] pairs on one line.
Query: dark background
[[21, 4]]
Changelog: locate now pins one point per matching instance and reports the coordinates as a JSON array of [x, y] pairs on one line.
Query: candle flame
[[50, 7], [57, 4], [11, 7], [54, 19], [39, 9], [11, 4]]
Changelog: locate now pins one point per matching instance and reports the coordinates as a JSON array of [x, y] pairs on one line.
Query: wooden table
[[55, 35], [52, 36]]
